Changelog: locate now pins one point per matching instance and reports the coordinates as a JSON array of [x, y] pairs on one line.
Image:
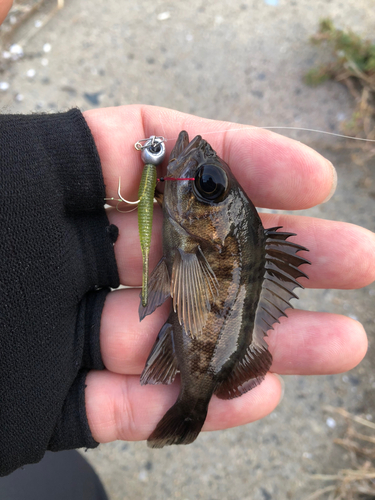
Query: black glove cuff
[[72, 429], [88, 328]]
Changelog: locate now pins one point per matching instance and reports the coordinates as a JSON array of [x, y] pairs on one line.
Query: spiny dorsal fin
[[158, 289], [194, 288], [280, 279], [161, 365]]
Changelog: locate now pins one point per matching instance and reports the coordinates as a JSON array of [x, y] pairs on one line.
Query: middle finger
[[304, 343], [341, 254]]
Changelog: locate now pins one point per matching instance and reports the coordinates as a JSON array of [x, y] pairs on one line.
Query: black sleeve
[[56, 266]]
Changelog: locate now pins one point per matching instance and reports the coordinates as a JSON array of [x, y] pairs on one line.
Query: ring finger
[[305, 343]]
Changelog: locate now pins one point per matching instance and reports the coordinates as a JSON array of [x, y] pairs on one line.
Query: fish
[[229, 280]]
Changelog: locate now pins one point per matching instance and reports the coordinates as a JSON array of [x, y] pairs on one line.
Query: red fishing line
[[162, 179]]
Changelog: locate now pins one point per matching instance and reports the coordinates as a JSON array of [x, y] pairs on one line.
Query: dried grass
[[358, 482], [353, 64]]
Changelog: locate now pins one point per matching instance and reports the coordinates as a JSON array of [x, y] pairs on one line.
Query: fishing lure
[[152, 154]]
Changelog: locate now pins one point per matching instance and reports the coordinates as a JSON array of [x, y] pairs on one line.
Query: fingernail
[[334, 183], [282, 383]]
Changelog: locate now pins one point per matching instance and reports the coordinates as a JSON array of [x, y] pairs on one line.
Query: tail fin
[[180, 425]]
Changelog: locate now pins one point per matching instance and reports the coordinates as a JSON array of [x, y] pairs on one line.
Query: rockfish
[[229, 279]]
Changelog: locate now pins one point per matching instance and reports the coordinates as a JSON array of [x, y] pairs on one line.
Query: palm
[[276, 173]]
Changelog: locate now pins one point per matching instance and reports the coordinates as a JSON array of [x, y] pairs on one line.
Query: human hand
[[276, 172]]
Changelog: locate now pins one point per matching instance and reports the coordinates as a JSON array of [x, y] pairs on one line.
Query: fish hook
[[121, 199]]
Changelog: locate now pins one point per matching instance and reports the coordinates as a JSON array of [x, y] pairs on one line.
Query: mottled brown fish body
[[229, 280]]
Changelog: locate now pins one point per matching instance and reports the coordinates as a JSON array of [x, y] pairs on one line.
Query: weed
[[353, 64]]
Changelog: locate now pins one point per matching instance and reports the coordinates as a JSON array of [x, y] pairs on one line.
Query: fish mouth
[[183, 147], [186, 156]]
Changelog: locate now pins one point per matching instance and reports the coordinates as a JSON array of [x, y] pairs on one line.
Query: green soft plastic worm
[[146, 195]]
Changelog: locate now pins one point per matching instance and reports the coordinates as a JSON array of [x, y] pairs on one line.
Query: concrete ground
[[240, 61]]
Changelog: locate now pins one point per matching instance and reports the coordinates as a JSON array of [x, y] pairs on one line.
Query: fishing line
[[252, 127], [157, 140], [163, 179]]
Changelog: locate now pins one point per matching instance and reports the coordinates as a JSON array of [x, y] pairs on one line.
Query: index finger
[[275, 171]]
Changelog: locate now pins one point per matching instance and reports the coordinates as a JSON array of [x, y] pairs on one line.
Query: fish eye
[[211, 183]]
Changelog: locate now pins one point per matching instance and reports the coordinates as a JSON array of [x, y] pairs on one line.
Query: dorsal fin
[[280, 279], [247, 373]]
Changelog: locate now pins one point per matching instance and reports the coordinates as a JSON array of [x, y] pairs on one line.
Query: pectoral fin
[[158, 289], [161, 365], [194, 288]]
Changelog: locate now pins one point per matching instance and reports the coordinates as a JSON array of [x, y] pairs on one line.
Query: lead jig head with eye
[[153, 151]]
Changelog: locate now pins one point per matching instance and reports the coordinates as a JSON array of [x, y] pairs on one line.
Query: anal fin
[[161, 365]]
